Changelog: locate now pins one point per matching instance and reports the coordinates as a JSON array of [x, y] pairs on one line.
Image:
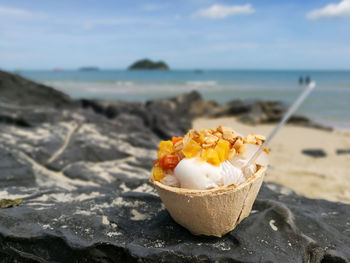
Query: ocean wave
[[117, 87], [78, 83], [208, 83]]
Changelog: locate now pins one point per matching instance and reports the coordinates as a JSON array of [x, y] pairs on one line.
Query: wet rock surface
[[83, 178]]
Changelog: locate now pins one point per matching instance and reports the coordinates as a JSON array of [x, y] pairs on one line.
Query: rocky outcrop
[[165, 117], [15, 89], [256, 112], [149, 65], [76, 184]]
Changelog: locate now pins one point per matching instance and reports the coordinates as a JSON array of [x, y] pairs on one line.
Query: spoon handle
[[286, 117]]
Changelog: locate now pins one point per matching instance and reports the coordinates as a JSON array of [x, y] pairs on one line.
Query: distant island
[[92, 68], [149, 64]]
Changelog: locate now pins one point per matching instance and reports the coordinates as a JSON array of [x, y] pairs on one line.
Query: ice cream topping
[[207, 159]]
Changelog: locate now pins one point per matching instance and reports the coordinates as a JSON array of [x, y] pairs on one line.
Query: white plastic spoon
[[286, 117]]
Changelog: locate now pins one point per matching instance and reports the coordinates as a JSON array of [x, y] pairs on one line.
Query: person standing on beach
[[307, 80], [301, 81]]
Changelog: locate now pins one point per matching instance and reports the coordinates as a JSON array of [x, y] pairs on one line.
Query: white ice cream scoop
[[200, 175], [194, 174], [231, 174]]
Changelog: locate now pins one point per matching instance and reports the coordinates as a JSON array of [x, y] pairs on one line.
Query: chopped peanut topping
[[237, 144], [231, 153], [211, 139], [260, 137], [229, 135], [221, 129], [250, 139], [218, 134], [242, 149], [178, 146]]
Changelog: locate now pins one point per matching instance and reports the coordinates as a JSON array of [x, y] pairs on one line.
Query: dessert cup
[[212, 212]]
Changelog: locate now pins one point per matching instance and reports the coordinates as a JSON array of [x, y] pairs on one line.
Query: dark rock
[[122, 220], [252, 111], [16, 90], [114, 109], [172, 117], [164, 120], [15, 169], [104, 140], [299, 119], [12, 119], [164, 117], [255, 112], [232, 108], [316, 153], [95, 105], [239, 106], [102, 208], [318, 126], [343, 151], [255, 116], [149, 65]]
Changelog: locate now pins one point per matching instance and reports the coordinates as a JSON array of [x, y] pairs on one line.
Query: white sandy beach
[[325, 177]]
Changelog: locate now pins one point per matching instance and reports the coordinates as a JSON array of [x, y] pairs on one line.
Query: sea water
[[328, 104]]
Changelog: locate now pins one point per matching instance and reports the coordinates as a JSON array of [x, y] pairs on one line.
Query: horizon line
[[14, 70]]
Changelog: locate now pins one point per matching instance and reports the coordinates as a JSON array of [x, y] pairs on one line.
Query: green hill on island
[[149, 64]]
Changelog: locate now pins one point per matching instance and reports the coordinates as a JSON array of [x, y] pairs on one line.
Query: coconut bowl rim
[[222, 189]]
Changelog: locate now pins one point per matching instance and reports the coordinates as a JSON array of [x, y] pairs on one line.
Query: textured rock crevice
[[73, 129]]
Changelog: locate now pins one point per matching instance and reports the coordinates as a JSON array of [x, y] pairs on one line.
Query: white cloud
[[341, 9], [152, 7], [222, 11], [10, 11]]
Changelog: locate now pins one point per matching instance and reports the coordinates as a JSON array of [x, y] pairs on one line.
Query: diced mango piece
[[158, 173], [176, 139], [191, 149], [210, 156], [165, 147], [222, 148]]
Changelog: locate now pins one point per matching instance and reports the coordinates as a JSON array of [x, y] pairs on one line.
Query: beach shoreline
[[314, 177]]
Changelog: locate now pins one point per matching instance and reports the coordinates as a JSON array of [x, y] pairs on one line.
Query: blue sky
[[242, 34]]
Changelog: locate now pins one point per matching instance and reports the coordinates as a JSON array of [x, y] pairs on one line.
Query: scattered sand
[[137, 216], [325, 177]]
